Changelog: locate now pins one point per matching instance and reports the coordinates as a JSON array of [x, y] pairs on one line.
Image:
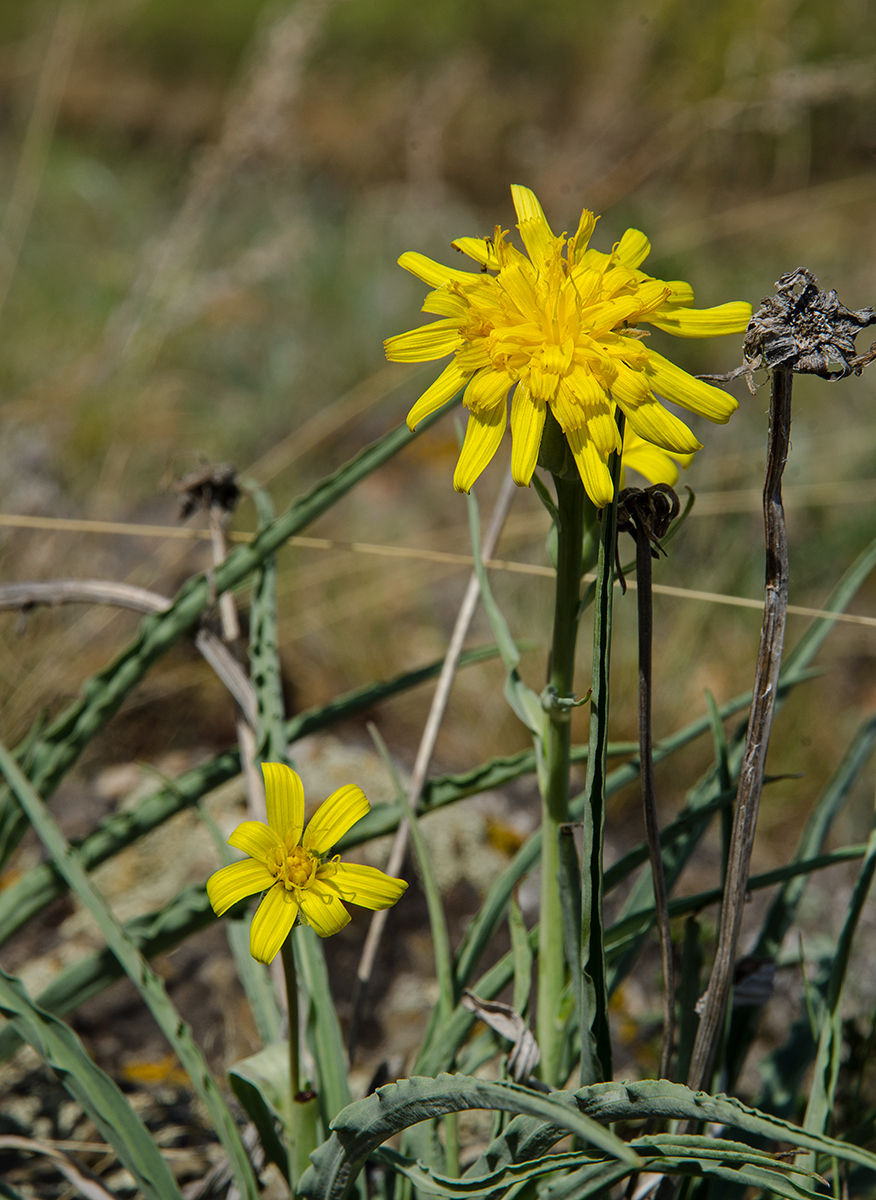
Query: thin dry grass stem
[[427, 747], [24, 596], [255, 795], [713, 1004], [37, 140], [71, 525]]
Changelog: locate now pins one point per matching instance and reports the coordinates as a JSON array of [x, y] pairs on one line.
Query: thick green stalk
[[559, 700]]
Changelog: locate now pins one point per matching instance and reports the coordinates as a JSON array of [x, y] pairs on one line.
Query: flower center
[[298, 868]]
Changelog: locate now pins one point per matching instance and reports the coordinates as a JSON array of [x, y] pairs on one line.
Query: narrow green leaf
[[592, 989], [90, 1087], [662, 1100], [522, 958], [322, 1028], [139, 971], [366, 1124], [152, 933], [782, 910], [264, 652], [628, 929], [54, 752], [42, 884], [689, 991], [828, 1058], [261, 1084]]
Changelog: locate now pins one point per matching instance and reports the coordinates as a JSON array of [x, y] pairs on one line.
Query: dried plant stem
[[24, 596], [255, 796], [649, 802], [714, 1003], [427, 747]]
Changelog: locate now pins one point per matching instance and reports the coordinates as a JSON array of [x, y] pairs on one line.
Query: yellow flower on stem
[[288, 863], [560, 327]]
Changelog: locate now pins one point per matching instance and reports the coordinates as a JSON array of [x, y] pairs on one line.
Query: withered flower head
[[804, 329]]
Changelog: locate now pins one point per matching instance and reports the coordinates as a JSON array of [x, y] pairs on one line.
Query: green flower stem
[[555, 798], [303, 1105], [291, 977]]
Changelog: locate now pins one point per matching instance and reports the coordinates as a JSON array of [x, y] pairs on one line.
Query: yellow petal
[[703, 322], [527, 425], [487, 390], [537, 235], [482, 437], [445, 303], [255, 839], [680, 293], [431, 272], [607, 316], [670, 382], [655, 464], [584, 232], [334, 817], [236, 882], [322, 909], [272, 923], [365, 886], [284, 795], [592, 468], [481, 250], [424, 343], [633, 248], [448, 383], [656, 424]]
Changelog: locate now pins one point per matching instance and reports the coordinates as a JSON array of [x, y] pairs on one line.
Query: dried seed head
[[806, 330]]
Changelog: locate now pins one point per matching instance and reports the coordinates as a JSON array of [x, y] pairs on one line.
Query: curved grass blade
[[42, 884], [830, 1044], [447, 789], [491, 913], [445, 1038], [660, 1099], [322, 1028], [91, 1088], [782, 910], [365, 1125], [152, 933], [139, 971], [264, 654], [696, 1156], [58, 747]]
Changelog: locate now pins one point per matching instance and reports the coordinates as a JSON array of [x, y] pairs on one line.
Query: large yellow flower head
[[560, 327], [289, 864]]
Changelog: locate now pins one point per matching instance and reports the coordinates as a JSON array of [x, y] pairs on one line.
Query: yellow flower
[[561, 328], [292, 869]]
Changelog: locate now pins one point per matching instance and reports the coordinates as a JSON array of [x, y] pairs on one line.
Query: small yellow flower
[[292, 869], [560, 327]]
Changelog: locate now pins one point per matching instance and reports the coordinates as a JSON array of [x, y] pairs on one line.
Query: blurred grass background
[[201, 208]]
